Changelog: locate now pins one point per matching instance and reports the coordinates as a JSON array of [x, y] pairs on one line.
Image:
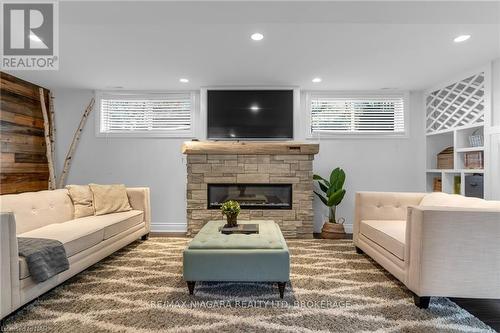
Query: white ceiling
[[352, 45]]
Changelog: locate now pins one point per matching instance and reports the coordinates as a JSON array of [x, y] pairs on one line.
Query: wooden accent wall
[[23, 165]]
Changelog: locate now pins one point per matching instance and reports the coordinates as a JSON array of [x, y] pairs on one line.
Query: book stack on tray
[[240, 229]]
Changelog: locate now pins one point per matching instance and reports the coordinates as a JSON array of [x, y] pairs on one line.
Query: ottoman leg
[[281, 287], [191, 287]]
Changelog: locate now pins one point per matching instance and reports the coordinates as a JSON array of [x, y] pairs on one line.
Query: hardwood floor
[[487, 310]]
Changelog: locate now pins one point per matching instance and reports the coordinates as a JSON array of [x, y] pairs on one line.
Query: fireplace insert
[[251, 196]]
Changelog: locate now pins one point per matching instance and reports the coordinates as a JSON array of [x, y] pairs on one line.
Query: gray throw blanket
[[45, 257]]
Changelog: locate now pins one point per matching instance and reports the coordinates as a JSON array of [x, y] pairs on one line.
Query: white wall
[[375, 164], [495, 92], [153, 162], [494, 145], [370, 164]]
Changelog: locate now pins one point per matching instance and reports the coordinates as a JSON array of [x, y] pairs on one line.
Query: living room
[[329, 166]]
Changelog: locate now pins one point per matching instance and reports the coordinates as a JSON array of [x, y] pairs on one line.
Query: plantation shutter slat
[[147, 114], [380, 114]]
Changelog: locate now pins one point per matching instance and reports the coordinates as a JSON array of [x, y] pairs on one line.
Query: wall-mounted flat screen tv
[[250, 114]]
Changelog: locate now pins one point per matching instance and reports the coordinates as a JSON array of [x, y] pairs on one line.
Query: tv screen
[[250, 114]]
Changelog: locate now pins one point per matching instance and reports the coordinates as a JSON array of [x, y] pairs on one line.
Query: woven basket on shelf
[[437, 185], [445, 159]]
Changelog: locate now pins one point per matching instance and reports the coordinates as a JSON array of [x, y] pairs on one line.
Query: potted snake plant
[[332, 195]]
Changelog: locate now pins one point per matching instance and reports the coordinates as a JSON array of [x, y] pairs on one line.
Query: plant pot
[[333, 231], [232, 220]]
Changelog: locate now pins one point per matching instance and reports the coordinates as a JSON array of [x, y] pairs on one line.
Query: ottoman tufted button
[[379, 205]]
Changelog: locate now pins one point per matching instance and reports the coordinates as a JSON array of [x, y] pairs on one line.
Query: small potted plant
[[333, 193], [230, 209]]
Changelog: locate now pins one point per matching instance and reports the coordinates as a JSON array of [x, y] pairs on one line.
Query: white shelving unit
[[455, 111]]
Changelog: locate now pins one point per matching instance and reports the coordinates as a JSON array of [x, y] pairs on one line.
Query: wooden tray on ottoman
[[246, 229]]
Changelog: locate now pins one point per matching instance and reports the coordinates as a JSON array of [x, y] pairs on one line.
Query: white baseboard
[[182, 227], [168, 227]]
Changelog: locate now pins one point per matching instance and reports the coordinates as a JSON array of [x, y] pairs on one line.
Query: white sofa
[[436, 244], [49, 214]]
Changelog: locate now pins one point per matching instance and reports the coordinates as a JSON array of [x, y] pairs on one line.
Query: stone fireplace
[[270, 180]]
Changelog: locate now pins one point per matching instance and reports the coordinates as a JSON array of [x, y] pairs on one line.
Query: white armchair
[[436, 244]]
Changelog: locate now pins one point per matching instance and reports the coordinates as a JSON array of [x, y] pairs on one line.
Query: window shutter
[[162, 113], [380, 114]]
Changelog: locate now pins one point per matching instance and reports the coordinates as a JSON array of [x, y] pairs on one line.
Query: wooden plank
[[22, 139], [34, 186], [20, 119], [7, 157], [24, 167], [250, 147], [19, 104], [20, 87], [6, 147], [8, 127], [7, 178], [30, 158]]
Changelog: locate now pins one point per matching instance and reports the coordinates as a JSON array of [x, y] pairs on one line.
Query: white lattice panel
[[458, 104]]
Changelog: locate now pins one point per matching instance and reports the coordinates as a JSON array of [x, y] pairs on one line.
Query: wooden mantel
[[249, 148]]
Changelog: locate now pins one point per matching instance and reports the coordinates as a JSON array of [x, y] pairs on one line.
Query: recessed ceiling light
[[254, 108], [35, 38], [183, 80], [316, 80], [461, 38], [257, 36]]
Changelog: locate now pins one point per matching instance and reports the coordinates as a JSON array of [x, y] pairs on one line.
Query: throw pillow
[[81, 195], [110, 198]]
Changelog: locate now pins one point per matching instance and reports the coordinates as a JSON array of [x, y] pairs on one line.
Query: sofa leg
[[145, 237], [191, 286], [422, 302], [358, 250], [281, 288]]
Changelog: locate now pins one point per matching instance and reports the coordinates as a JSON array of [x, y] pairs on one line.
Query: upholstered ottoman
[[213, 256]]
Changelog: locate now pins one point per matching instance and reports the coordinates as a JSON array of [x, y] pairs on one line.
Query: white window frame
[[309, 95], [194, 95]]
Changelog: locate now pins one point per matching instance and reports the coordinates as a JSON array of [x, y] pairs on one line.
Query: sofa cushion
[[74, 235], [389, 234], [110, 198], [106, 226], [81, 195], [439, 199], [33, 210], [114, 223]]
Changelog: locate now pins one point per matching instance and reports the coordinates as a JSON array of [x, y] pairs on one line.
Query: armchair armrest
[[9, 263], [139, 199], [453, 252], [382, 206]]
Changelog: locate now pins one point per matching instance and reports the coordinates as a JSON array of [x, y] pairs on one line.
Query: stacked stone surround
[[295, 169]]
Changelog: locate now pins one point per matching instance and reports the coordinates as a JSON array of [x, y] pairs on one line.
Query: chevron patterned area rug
[[332, 289]]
